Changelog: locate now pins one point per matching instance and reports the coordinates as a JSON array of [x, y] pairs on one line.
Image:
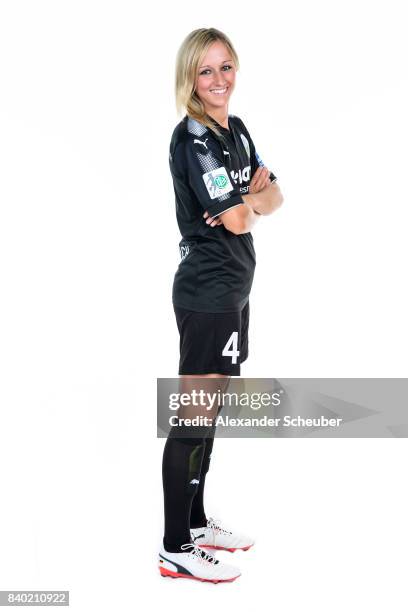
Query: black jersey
[[211, 173]]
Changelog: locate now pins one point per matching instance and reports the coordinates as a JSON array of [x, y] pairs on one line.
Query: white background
[[88, 248]]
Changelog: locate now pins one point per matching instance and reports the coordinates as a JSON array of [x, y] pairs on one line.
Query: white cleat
[[217, 537], [196, 564]]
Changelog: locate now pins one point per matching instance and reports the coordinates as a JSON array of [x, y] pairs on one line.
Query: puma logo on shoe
[[194, 481], [198, 537]]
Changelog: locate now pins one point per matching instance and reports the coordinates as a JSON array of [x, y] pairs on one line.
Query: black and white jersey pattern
[[211, 173]]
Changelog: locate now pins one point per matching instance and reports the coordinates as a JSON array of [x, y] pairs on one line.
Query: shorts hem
[[203, 371]]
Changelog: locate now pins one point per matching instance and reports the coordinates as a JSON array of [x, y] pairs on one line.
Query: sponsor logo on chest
[[242, 176]]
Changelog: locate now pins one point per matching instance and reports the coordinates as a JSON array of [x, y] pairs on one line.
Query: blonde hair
[[189, 57]]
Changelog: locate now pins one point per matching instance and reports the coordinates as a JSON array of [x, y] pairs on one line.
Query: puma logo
[[201, 142], [194, 481]]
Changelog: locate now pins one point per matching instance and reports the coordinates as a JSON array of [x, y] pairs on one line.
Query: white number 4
[[231, 348]]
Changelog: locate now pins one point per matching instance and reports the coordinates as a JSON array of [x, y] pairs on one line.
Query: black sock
[[182, 459], [198, 517]]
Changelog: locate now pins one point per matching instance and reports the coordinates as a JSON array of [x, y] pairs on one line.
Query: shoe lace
[[198, 552], [216, 528]]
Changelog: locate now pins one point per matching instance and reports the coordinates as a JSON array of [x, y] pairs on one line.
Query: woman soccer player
[[221, 188]]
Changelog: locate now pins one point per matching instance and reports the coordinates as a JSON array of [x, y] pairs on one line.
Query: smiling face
[[216, 78]]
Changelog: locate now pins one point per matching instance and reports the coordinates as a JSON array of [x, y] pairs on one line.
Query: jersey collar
[[221, 127]]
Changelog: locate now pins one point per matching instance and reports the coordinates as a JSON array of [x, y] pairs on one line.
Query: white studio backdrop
[[89, 247]]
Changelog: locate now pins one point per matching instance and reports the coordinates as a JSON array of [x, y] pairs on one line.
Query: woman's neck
[[221, 117]]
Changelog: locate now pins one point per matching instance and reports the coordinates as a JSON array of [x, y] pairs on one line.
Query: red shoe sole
[[222, 548], [166, 572]]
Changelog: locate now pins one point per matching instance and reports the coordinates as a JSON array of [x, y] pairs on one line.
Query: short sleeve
[[208, 175]]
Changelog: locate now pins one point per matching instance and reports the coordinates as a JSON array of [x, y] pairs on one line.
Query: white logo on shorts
[[184, 251]]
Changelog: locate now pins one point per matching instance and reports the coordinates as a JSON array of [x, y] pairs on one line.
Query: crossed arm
[[263, 199]]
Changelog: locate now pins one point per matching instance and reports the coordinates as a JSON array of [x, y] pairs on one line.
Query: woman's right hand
[[212, 221]]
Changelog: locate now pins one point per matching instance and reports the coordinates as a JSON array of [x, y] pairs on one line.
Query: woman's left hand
[[260, 180], [212, 221]]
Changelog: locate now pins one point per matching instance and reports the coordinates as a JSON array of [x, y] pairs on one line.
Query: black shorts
[[212, 343]]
